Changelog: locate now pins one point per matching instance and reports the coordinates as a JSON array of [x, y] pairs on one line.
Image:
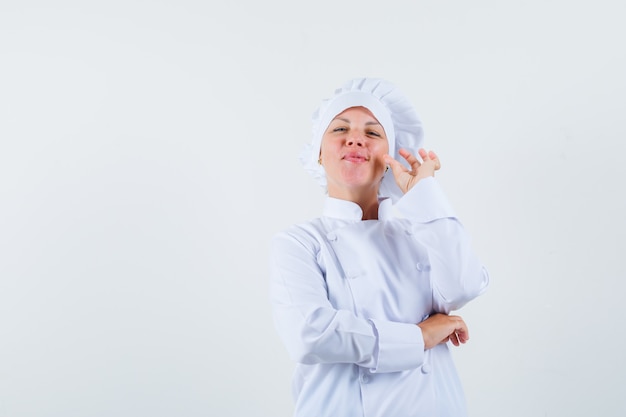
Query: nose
[[355, 139]]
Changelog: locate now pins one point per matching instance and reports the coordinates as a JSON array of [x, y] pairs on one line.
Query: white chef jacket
[[347, 293]]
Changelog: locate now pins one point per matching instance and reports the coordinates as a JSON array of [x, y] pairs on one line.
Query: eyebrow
[[348, 121]]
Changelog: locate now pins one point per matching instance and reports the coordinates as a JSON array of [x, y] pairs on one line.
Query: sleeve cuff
[[424, 203], [400, 346]]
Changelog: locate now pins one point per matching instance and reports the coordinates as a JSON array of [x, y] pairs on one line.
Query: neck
[[367, 201], [370, 211]]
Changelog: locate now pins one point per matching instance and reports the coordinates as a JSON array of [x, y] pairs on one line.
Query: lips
[[355, 157]]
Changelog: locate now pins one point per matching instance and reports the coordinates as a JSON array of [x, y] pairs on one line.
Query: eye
[[339, 129], [374, 133]]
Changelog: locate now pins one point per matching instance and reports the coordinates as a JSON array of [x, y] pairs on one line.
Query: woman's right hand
[[439, 328]]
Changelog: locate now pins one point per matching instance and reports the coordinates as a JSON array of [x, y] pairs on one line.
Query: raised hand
[[406, 178]]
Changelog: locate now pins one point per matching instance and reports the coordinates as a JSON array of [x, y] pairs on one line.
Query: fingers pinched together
[[406, 178]]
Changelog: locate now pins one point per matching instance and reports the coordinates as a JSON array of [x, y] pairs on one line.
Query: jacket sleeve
[[456, 273], [313, 331]]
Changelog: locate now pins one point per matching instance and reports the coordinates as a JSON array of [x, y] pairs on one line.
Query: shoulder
[[306, 235]]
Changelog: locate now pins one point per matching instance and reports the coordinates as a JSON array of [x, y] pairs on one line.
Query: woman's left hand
[[406, 178], [441, 328]]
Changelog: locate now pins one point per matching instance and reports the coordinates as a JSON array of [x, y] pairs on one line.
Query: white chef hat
[[391, 108]]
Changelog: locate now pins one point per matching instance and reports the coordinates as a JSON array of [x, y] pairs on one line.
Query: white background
[[148, 151]]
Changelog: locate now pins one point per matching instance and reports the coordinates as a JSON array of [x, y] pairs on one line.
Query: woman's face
[[352, 153]]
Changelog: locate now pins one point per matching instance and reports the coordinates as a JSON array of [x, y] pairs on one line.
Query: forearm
[[338, 336], [456, 273], [325, 335]]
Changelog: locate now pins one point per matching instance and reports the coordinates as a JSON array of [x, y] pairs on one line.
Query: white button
[[425, 368], [331, 236], [422, 267], [365, 379], [408, 232]]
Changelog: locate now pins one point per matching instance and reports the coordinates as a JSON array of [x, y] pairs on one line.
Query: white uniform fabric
[[346, 296]]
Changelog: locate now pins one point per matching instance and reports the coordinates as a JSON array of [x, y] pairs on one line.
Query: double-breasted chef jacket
[[347, 294]]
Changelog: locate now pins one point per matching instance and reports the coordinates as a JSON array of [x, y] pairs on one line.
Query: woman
[[362, 295]]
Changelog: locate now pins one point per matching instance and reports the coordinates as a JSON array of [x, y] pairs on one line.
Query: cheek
[[328, 147], [382, 149], [324, 151]]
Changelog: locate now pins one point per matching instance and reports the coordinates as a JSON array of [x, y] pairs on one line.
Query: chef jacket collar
[[348, 210]]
